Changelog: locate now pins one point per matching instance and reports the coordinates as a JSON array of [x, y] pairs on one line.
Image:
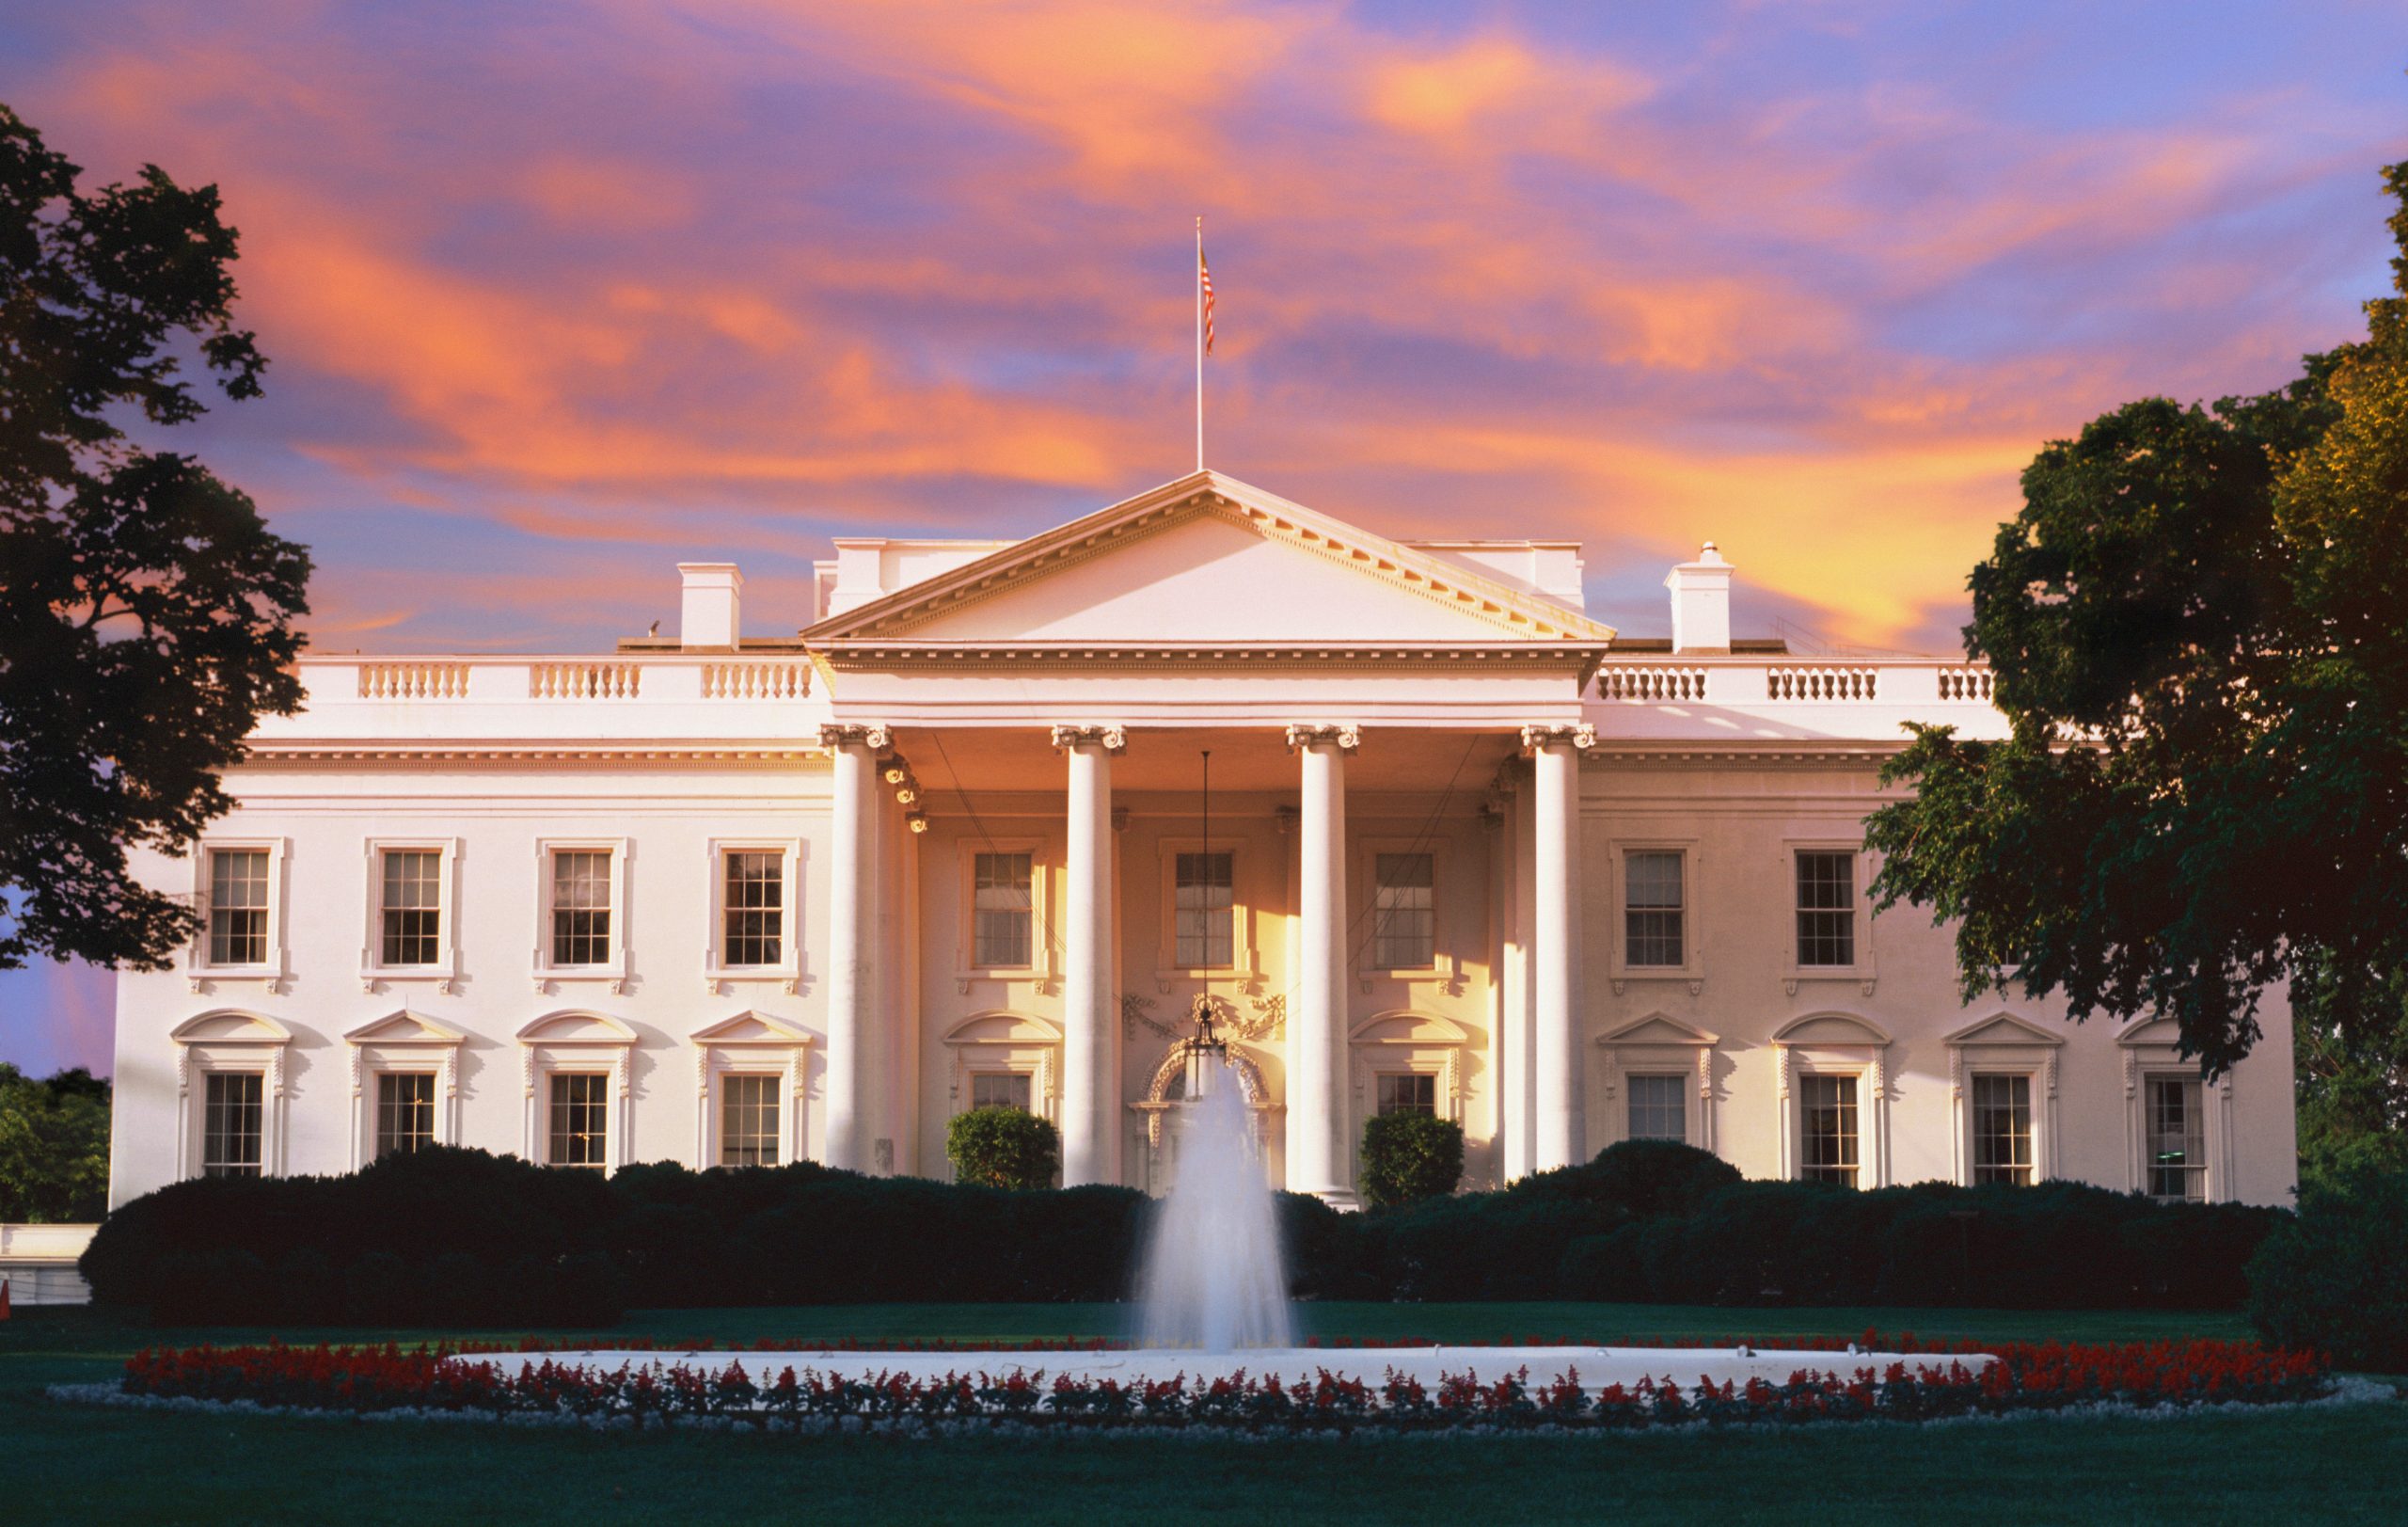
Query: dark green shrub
[[588, 1290], [381, 1289], [998, 1147], [215, 1287], [1643, 1178], [1410, 1157], [2336, 1277]]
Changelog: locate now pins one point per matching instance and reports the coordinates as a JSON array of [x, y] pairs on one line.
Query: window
[[755, 907], [1657, 1108], [581, 906], [1408, 1093], [405, 1112], [581, 1121], [1826, 907], [1650, 902], [1000, 1089], [230, 1123], [238, 907], [2177, 1144], [412, 907], [1003, 926], [2003, 1130], [1827, 1129], [1206, 924], [1404, 916], [748, 1122]]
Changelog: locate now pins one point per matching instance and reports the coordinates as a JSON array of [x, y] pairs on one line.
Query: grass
[[60, 1463]]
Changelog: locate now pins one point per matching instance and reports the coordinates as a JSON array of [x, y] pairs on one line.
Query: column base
[[1341, 1198]]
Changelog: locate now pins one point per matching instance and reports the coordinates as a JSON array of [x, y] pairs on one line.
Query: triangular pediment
[[2003, 1028], [404, 1027], [750, 1028], [1656, 1028], [1210, 559]]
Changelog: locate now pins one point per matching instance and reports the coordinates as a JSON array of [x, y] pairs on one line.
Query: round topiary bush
[[1410, 1157], [1002, 1147], [2335, 1276]]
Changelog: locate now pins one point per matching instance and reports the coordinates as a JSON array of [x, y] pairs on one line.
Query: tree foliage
[[1002, 1147], [54, 1147], [146, 612], [2197, 625], [1409, 1157]]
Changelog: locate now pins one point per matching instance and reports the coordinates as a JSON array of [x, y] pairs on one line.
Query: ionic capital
[[1110, 739], [848, 734], [1344, 739], [1577, 735]]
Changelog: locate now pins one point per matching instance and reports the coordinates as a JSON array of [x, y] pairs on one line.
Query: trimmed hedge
[[460, 1238], [1003, 1147]]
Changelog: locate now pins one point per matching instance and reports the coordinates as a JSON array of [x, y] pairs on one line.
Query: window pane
[[1405, 916], [1826, 908], [2177, 1143], [413, 903], [747, 1127], [2003, 1129], [1205, 923], [582, 907], [229, 1127], [238, 907], [1658, 1110], [1408, 1093], [1000, 1089], [1002, 929], [405, 1112], [1827, 1129], [756, 908], [580, 1120], [1652, 908]]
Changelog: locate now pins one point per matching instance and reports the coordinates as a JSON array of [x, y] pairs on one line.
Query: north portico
[[1321, 667], [727, 899]]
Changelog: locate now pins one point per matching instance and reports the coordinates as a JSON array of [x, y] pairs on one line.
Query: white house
[[719, 899]]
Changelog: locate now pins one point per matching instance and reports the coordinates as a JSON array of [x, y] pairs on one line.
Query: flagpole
[[1199, 343]]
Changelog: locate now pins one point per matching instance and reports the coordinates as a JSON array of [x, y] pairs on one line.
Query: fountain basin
[[1598, 1366]]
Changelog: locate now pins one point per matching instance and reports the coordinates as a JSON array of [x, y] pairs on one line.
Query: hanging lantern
[[1207, 1054]]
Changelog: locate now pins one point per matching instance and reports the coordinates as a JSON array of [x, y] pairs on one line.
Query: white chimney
[[1701, 603], [708, 617]]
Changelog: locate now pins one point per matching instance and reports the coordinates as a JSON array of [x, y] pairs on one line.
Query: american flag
[[1204, 274]]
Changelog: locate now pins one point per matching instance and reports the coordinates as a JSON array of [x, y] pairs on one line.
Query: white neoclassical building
[[723, 900]]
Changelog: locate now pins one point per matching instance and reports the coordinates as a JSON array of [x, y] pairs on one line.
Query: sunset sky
[[558, 295]]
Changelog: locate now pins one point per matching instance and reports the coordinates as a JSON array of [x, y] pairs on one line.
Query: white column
[[1319, 1160], [1090, 1057], [1560, 1118], [852, 922]]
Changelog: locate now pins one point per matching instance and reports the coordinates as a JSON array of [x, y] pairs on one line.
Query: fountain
[[1213, 1277]]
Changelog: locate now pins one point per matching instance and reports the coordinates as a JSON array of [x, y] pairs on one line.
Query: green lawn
[[63, 1463]]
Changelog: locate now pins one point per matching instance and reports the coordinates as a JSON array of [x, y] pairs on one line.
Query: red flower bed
[[2027, 1376]]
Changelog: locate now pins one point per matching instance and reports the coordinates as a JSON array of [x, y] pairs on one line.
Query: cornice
[[1156, 657], [413, 757], [1659, 754]]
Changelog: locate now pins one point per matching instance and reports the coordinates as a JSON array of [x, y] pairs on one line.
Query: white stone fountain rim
[[1597, 1366]]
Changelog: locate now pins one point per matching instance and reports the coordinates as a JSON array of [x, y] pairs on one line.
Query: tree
[[2198, 626], [54, 1147], [1409, 1157], [1003, 1147], [146, 612]]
